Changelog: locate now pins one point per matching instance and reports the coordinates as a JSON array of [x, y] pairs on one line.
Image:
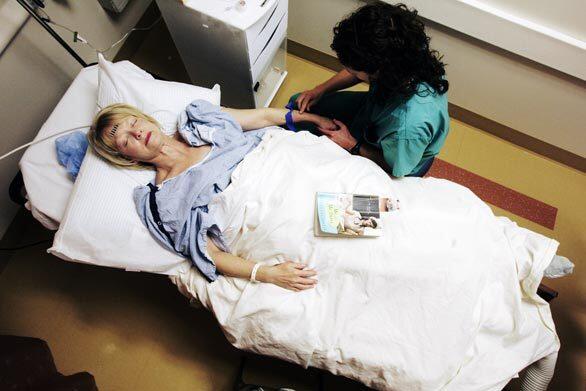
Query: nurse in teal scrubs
[[402, 122]]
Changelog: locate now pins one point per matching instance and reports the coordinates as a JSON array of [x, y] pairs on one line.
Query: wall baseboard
[[518, 138], [482, 123], [313, 55]]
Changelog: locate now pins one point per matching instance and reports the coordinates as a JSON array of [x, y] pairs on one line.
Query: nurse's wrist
[[355, 147], [320, 89]]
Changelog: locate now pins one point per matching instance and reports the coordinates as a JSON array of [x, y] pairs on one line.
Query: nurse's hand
[[291, 275], [308, 98], [342, 136]]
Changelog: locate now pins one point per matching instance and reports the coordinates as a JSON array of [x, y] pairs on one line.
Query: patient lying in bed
[[192, 166], [447, 290]]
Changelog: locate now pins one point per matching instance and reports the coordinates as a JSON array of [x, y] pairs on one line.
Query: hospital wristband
[[289, 120], [289, 117], [253, 273]]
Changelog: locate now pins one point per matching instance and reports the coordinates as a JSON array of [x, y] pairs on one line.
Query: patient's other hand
[[291, 275]]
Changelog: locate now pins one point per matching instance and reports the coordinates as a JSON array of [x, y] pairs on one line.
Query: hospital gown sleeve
[[191, 240], [187, 232], [403, 154], [205, 123], [196, 248]]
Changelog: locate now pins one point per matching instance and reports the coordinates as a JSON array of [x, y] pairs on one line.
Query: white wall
[[565, 16], [530, 99], [516, 28], [35, 71]]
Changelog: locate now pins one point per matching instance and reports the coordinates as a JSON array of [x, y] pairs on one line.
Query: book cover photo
[[351, 215]]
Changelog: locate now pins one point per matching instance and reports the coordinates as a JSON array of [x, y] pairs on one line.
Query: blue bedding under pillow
[[71, 150]]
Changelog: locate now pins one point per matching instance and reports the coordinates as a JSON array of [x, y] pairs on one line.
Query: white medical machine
[[240, 44]]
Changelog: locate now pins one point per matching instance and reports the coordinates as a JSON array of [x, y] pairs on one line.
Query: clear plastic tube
[[42, 139]]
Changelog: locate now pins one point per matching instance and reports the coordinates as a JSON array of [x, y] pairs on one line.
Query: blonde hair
[[109, 116]]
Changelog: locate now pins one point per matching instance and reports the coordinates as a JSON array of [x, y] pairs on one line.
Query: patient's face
[[136, 138]]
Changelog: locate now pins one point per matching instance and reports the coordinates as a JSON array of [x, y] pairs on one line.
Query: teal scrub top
[[409, 132]]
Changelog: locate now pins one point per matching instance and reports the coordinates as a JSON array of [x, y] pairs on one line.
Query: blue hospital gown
[[182, 201]]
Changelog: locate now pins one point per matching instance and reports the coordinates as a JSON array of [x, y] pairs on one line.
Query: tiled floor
[[134, 331]]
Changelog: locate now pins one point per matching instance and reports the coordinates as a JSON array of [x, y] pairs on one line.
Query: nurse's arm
[[339, 81], [376, 155]]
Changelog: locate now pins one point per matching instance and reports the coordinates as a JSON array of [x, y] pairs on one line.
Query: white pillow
[[101, 225], [162, 100], [48, 185]]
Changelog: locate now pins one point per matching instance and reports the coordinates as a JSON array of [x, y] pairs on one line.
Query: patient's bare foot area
[[559, 267]]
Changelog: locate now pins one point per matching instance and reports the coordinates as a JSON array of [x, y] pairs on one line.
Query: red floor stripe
[[497, 195]]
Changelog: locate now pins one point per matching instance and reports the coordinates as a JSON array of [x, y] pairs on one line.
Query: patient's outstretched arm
[[250, 119], [289, 275]]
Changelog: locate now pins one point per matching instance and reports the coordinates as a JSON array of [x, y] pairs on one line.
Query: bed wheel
[[240, 385]]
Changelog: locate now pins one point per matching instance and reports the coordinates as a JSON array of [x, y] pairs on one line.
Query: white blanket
[[445, 299]]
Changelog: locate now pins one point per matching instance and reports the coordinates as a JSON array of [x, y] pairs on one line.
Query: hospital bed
[[44, 187]]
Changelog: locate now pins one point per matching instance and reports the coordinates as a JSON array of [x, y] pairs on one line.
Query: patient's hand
[[318, 120], [291, 275], [324, 123]]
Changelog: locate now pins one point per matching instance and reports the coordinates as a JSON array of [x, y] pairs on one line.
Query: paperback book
[[350, 215]]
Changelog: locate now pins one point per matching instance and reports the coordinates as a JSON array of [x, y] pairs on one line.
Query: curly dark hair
[[389, 43]]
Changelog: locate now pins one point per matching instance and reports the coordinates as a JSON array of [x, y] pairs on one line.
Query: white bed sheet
[[47, 183], [446, 299]]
